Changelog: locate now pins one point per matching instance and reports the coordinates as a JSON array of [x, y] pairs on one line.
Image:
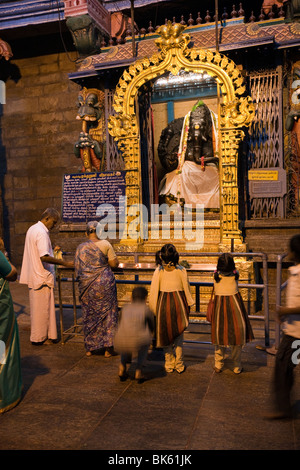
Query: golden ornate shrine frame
[[236, 111]]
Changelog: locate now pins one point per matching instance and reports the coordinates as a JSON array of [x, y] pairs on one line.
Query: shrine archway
[[235, 112]]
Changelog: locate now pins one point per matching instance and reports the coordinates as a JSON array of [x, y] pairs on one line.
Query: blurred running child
[[287, 356], [134, 333]]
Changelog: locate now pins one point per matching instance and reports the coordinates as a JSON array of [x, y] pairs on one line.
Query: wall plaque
[[84, 194], [270, 182], [263, 175]]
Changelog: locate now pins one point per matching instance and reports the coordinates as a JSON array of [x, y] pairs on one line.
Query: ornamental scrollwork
[[237, 113], [121, 127], [171, 36]]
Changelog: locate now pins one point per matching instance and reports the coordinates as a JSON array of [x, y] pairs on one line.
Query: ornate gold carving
[[123, 126], [86, 63], [113, 51], [171, 36], [295, 28], [230, 139], [236, 112]]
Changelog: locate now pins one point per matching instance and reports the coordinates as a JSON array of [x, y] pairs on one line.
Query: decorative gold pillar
[[131, 155], [229, 216], [234, 116]]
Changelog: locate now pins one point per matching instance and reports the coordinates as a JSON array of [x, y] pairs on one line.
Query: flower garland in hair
[[170, 264]]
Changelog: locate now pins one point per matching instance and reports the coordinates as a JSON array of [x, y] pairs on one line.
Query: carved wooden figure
[[90, 146]]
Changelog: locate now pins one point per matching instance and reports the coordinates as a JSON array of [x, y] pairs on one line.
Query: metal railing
[[135, 270], [279, 288]]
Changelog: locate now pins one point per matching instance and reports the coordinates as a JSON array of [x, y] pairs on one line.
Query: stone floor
[[74, 402]]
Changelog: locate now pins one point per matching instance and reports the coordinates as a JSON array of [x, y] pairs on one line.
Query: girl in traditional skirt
[[230, 325], [170, 299]]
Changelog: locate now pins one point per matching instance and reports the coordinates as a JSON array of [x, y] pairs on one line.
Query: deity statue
[[186, 151], [91, 144]]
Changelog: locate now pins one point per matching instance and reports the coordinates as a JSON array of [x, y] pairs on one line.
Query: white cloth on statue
[[291, 323], [194, 185], [34, 272], [42, 314]]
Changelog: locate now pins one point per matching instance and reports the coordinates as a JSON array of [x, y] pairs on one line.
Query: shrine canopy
[[237, 37]]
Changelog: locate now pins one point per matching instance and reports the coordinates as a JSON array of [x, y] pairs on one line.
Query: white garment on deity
[[193, 184], [190, 181]]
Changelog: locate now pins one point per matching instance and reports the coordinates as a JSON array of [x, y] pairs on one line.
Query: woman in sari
[[94, 259], [10, 362]]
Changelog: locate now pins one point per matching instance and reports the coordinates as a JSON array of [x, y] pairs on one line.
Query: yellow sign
[[263, 175]]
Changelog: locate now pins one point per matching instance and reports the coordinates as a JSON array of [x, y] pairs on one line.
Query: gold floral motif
[[113, 51], [238, 113], [87, 63], [171, 36], [295, 28], [253, 29], [123, 126]]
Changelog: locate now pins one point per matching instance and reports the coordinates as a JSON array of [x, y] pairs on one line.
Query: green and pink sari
[[10, 363]]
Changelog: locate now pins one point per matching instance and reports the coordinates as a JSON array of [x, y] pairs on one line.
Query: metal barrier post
[[266, 300], [61, 318], [73, 330]]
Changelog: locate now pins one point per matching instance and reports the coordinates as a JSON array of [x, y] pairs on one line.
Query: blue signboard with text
[[85, 194]]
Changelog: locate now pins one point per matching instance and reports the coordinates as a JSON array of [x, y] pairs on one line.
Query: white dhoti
[[193, 184], [42, 313]]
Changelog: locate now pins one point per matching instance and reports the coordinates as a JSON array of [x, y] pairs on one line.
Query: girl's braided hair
[[226, 265]]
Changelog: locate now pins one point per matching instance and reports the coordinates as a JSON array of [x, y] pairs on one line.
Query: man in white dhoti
[[193, 184], [38, 273]]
